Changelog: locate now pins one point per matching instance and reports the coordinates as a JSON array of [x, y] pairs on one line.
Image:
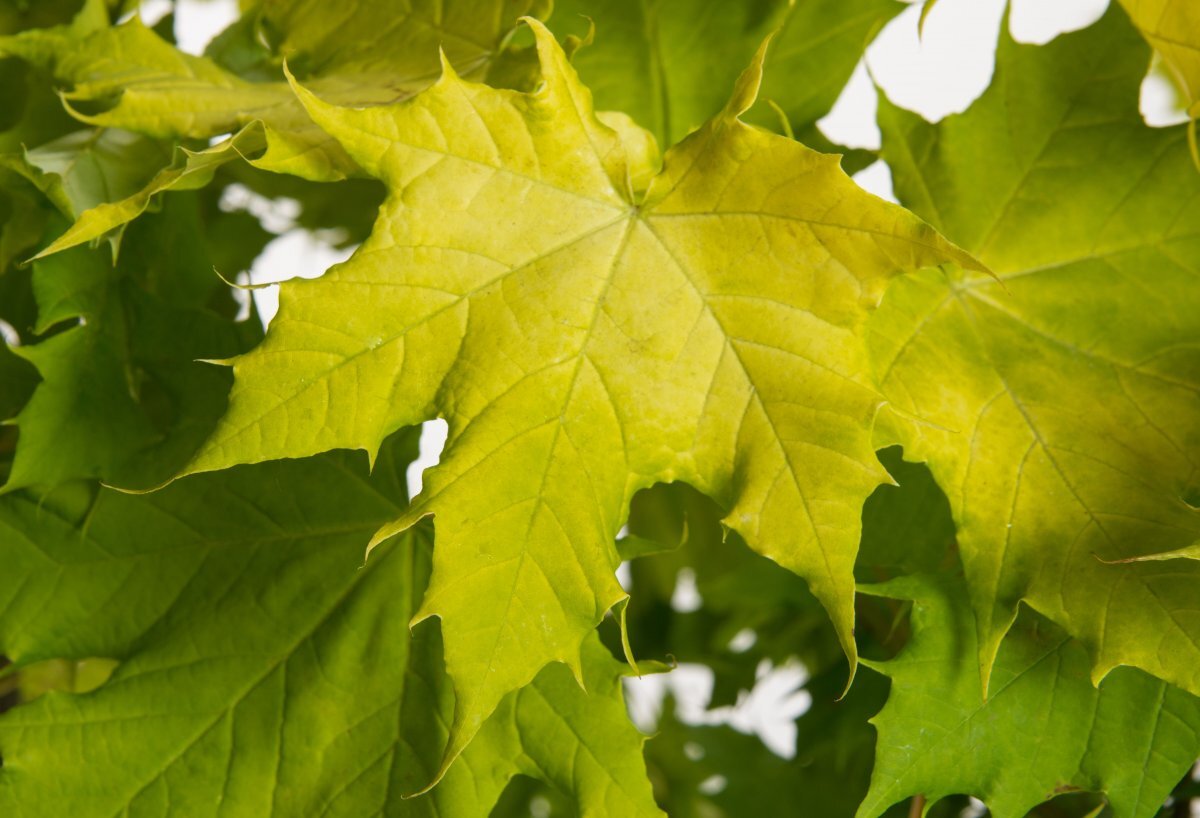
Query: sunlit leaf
[[1173, 28], [1057, 405]]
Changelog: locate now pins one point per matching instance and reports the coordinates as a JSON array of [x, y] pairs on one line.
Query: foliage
[[609, 245], [1108, 474]]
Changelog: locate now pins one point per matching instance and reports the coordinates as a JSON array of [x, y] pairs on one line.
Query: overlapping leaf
[[19, 16], [675, 529], [1173, 28], [669, 65], [87, 167], [585, 339], [140, 82], [128, 77], [184, 171], [263, 670], [123, 396], [1044, 729], [82, 171], [1057, 405], [24, 217], [17, 382], [1131, 740], [590, 324], [31, 115]]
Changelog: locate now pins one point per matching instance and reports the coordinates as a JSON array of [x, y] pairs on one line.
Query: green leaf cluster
[[943, 454]]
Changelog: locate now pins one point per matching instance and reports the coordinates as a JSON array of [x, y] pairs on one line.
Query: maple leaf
[[24, 218], [17, 382], [33, 116], [83, 168], [19, 16], [142, 83], [1132, 738], [264, 671], [81, 171], [122, 395], [127, 77], [1056, 405], [585, 339], [1173, 28], [643, 60]]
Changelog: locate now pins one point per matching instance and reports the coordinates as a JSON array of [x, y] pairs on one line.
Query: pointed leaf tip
[[448, 72], [925, 11], [1191, 552], [745, 90], [307, 98], [541, 34], [553, 62], [573, 44]]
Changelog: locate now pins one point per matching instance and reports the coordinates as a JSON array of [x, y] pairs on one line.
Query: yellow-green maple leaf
[[1173, 28], [1057, 406], [585, 338]]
